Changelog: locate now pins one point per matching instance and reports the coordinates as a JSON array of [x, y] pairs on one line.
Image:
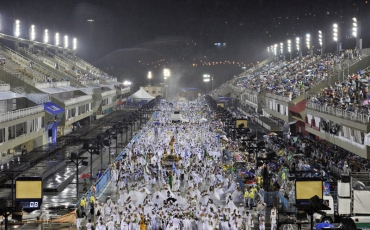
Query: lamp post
[[77, 161], [107, 142], [92, 149], [321, 42], [289, 45], [336, 36]]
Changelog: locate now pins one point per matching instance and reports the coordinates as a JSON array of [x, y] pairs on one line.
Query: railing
[[113, 79], [18, 75], [85, 82], [9, 116], [279, 97], [52, 84], [19, 56], [348, 115], [125, 90], [39, 98], [77, 100], [4, 87], [107, 93]]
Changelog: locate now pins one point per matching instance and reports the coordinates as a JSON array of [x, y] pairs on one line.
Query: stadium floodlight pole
[[336, 36], [17, 28], [308, 44], [46, 36], [66, 42], [57, 41], [322, 43], [166, 75], [289, 46], [275, 51], [282, 51], [74, 41], [206, 79], [298, 46], [32, 33], [356, 32], [268, 51], [149, 76]]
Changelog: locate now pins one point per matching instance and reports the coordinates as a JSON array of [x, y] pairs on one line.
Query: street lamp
[[46, 36], [77, 160], [56, 39], [17, 28], [74, 43], [66, 41], [289, 49], [32, 33]]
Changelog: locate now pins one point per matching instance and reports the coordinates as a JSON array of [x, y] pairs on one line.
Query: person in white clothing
[[273, 220], [89, 225]]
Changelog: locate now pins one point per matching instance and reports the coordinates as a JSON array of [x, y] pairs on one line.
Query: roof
[[141, 94], [9, 95], [299, 108]]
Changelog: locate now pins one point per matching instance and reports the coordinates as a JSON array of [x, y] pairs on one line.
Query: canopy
[[141, 95]]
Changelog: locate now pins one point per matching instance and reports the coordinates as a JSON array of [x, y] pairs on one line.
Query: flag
[[174, 168]]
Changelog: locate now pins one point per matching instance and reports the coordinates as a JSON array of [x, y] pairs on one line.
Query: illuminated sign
[[28, 193], [306, 189]]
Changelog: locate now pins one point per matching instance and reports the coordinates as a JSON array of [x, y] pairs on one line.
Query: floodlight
[[32, 33], [57, 39], [74, 43], [46, 36], [66, 41], [17, 28]]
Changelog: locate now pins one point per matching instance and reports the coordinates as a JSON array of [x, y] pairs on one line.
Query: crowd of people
[[173, 177]]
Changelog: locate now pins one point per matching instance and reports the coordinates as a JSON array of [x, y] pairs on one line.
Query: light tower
[[282, 51], [298, 46], [308, 44], [322, 43], [336, 36], [289, 46], [356, 32]]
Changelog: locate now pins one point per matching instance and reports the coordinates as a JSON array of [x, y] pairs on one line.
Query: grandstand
[[306, 96], [59, 91]]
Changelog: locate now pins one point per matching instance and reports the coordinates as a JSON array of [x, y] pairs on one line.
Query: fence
[[9, 116], [348, 115]]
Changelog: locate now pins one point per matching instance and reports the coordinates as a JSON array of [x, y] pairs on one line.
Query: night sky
[[129, 38]]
